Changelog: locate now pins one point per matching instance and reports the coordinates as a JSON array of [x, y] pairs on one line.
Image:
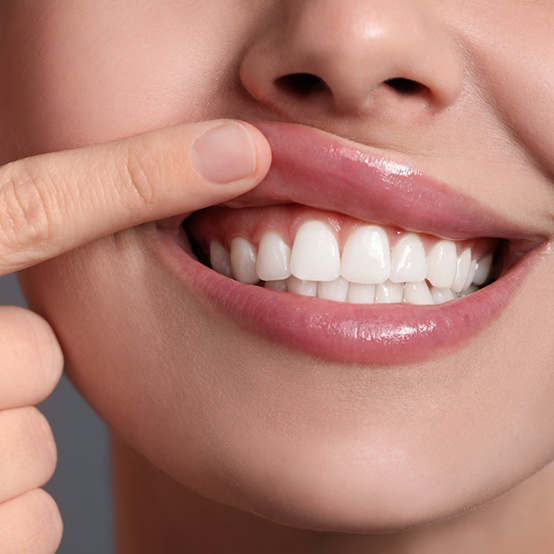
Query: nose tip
[[339, 54]]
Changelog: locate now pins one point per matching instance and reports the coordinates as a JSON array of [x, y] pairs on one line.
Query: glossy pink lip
[[314, 168], [320, 170]]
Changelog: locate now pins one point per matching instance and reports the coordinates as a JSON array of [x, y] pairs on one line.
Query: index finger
[[52, 203]]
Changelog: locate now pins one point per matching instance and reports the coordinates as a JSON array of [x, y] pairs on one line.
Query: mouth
[[351, 257]]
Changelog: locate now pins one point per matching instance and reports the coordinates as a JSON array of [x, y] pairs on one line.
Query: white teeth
[[333, 290], [462, 271], [442, 295], [408, 260], [368, 272], [243, 261], [417, 293], [482, 270], [304, 288], [389, 293], [273, 263], [220, 259], [471, 274], [441, 264], [359, 293], [470, 290], [366, 256], [315, 253], [280, 286]]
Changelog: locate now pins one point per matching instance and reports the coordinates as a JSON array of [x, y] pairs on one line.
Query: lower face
[[299, 385]]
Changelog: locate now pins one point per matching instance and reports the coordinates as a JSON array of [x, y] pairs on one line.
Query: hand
[[53, 203]]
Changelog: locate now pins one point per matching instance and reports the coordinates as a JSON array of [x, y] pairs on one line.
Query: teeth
[[359, 293], [462, 271], [367, 273], [389, 293], [220, 259], [299, 286], [442, 295], [333, 290], [482, 270], [408, 260], [243, 261], [280, 286], [315, 253], [366, 256], [471, 274], [441, 264], [273, 263], [417, 293]]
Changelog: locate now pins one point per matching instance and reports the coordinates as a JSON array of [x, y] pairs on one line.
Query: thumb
[[52, 203]]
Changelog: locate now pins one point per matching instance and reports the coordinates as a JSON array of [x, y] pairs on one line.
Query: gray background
[[81, 484]]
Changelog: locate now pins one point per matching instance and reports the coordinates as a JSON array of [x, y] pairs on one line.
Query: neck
[[156, 514]]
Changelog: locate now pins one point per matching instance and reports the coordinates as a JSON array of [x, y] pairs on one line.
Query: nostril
[[405, 87], [301, 84]]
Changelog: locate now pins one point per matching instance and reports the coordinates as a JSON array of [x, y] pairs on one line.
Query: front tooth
[[299, 286], [315, 253], [273, 258], [243, 261], [442, 295], [220, 259], [359, 293], [482, 270], [441, 264], [280, 286], [471, 274], [417, 293], [408, 260], [333, 290], [389, 293], [366, 256], [462, 270]]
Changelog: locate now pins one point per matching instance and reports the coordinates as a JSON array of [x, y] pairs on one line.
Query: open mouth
[[385, 265], [312, 253]]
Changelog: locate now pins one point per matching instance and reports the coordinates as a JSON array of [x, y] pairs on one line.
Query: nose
[[352, 56]]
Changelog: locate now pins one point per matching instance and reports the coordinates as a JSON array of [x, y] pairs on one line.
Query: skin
[[259, 430]]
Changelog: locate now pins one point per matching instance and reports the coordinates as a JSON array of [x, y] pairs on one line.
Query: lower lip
[[375, 334]]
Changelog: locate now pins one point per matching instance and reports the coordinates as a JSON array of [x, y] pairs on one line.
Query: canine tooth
[[299, 286], [366, 256], [280, 286], [389, 293], [462, 270], [358, 293], [471, 274], [333, 290], [408, 260], [441, 295], [243, 261], [220, 259], [315, 254], [417, 293], [482, 270], [441, 264], [273, 258]]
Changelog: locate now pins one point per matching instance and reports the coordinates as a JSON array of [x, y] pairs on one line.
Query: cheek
[[105, 72], [280, 434]]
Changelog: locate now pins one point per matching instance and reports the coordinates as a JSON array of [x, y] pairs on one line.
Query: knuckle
[[39, 443], [28, 344], [140, 171], [30, 524], [25, 207]]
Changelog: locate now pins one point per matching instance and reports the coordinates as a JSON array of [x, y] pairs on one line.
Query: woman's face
[[433, 117]]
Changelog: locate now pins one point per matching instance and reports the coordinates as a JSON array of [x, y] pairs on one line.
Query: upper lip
[[321, 170]]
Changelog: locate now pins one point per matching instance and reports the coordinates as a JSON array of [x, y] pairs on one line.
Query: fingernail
[[224, 154]]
